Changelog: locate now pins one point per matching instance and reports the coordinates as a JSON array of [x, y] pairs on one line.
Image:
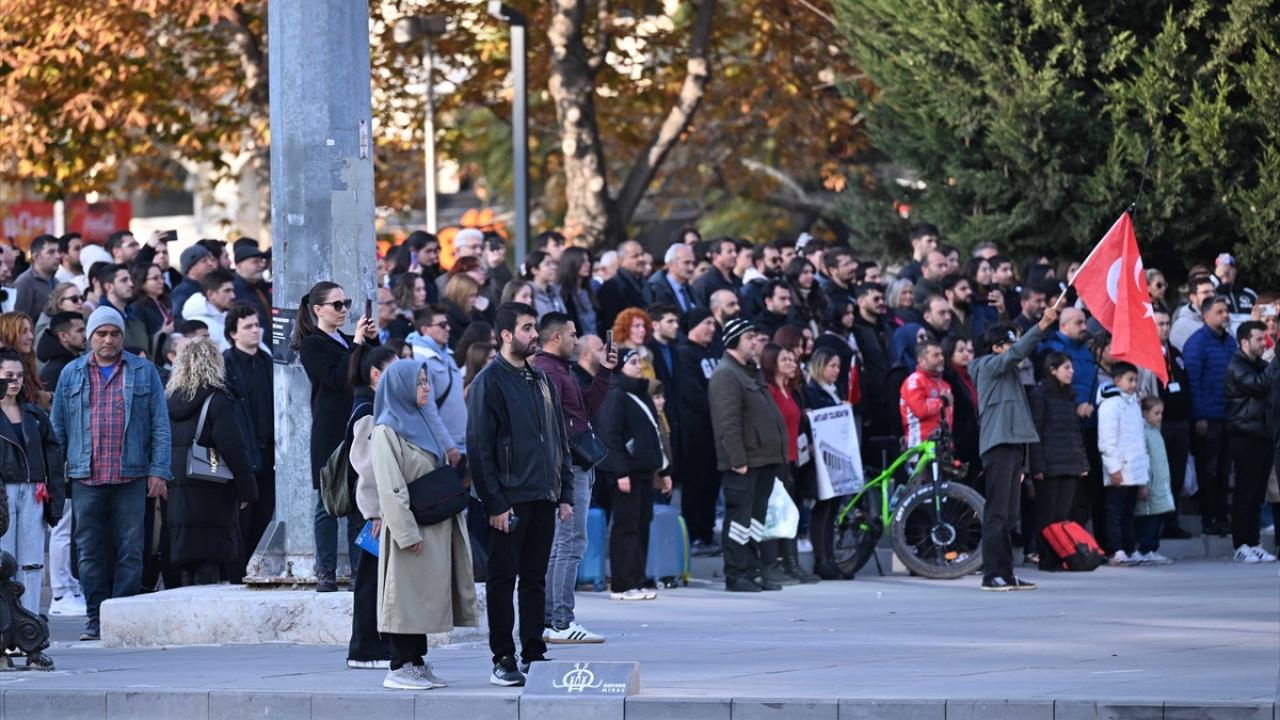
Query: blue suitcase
[[591, 571], [668, 560]]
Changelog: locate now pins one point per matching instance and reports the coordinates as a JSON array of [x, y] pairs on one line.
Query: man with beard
[[967, 320], [766, 265], [1033, 302], [932, 272], [724, 307], [521, 469], [925, 396], [250, 287], [937, 317], [871, 330], [840, 267], [777, 308], [695, 363], [723, 256]]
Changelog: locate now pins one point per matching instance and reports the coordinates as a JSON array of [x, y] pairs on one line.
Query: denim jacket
[[146, 451]]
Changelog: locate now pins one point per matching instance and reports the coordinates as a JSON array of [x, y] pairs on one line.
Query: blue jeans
[[25, 541], [327, 540], [109, 516], [567, 550]]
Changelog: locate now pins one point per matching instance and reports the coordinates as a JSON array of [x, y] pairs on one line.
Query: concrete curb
[[230, 705]]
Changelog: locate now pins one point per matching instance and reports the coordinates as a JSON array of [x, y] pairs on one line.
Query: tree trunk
[[572, 86]]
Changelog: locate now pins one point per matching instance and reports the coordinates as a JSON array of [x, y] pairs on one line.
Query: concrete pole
[[429, 133], [322, 229], [520, 134]]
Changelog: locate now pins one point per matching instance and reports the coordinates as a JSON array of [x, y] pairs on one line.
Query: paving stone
[[1219, 711], [345, 706], [153, 705], [437, 704], [858, 709], [784, 709], [576, 708], [228, 705], [690, 708], [1086, 710], [1000, 710], [54, 705]]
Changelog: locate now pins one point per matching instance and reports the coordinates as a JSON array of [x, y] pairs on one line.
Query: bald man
[[724, 307], [626, 288]]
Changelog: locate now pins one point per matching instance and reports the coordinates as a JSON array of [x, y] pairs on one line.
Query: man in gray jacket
[[1005, 429], [751, 449]]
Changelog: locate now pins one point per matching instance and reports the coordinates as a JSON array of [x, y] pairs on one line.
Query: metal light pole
[[407, 30], [519, 120]]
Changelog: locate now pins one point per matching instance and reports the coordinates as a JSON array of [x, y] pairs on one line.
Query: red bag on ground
[[1074, 549]]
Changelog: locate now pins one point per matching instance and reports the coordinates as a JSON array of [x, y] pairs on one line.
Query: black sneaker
[[506, 674], [1020, 584], [767, 584], [742, 584], [92, 631], [996, 585], [527, 665], [326, 583]]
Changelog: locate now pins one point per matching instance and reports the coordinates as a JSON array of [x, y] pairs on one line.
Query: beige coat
[[362, 462], [433, 591]]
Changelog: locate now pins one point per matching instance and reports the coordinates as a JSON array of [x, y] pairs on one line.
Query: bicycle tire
[[854, 541], [951, 550]]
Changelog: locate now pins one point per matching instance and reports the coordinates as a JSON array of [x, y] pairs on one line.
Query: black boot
[[326, 582], [771, 565], [791, 563]]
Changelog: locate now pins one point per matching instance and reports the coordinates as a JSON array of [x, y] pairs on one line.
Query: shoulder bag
[[587, 449], [439, 495], [203, 462]]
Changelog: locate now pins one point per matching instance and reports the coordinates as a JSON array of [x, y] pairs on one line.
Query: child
[[1125, 463], [1157, 498]]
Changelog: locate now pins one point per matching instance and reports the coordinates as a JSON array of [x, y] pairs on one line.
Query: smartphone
[[608, 343], [169, 236], [368, 308], [511, 522]]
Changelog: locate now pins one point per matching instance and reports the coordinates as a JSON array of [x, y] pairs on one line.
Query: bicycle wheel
[[948, 549], [856, 538]]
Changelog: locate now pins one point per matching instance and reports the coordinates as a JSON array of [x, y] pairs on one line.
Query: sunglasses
[[72, 298], [338, 305]]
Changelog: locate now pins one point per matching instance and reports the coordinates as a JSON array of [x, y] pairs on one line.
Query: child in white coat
[[1126, 465]]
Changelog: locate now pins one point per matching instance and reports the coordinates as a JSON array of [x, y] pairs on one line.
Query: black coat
[[815, 398], [635, 446], [326, 362], [250, 377], [694, 365], [1060, 452], [620, 292], [709, 284], [964, 427], [204, 517], [768, 322], [668, 376], [878, 398], [1246, 392], [35, 457], [55, 357]]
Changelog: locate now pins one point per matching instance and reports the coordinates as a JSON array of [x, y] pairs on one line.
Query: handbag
[[587, 449], [439, 495], [202, 462]]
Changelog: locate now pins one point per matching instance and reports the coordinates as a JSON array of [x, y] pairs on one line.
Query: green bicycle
[[935, 521]]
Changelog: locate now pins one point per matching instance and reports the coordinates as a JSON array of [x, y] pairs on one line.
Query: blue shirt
[[682, 293]]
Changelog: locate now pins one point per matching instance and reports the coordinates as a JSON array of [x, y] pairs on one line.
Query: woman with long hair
[[460, 295], [1058, 462], [410, 293], [809, 301], [479, 355], [958, 353], [473, 268], [325, 352], [425, 581], [574, 279], [18, 333], [203, 516], [477, 332], [631, 330], [367, 649], [66, 297], [782, 376], [151, 303], [520, 291], [820, 392]]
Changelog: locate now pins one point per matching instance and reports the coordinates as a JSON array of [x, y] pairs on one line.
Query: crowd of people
[[141, 422]]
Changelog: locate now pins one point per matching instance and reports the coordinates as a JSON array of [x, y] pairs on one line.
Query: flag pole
[[1142, 183]]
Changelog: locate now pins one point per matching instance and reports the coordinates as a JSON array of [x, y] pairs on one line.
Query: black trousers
[[1003, 464], [822, 530], [1090, 504], [1054, 496], [629, 534], [255, 518], [406, 649], [522, 553], [1213, 467], [1121, 534], [746, 501], [1253, 459], [365, 643], [1177, 445], [701, 492]]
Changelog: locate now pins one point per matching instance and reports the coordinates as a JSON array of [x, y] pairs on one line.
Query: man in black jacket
[[1176, 426], [520, 468], [777, 307], [695, 453], [1245, 392], [626, 288], [59, 345], [723, 256], [670, 286], [250, 287], [871, 330], [249, 377]]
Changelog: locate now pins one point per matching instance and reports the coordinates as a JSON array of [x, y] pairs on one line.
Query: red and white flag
[[1111, 282]]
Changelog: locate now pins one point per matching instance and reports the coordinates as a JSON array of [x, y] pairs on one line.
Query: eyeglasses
[[423, 384], [72, 298], [338, 305], [443, 325]]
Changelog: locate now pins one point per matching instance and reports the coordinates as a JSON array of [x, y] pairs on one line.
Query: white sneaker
[[1155, 558], [406, 678], [636, 594], [1246, 554], [68, 606], [1119, 559], [1139, 558], [650, 594], [1263, 555], [426, 672], [575, 633]]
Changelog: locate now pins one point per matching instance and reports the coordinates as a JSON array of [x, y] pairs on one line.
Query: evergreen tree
[[1029, 121]]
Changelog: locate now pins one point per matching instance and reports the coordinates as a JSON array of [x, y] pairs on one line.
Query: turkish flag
[[1111, 282]]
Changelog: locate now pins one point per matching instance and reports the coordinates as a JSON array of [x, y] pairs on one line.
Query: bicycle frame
[[925, 452]]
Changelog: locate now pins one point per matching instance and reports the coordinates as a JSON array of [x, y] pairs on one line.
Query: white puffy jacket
[[1121, 440]]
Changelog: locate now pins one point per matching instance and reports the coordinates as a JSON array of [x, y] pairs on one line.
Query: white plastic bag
[[783, 518]]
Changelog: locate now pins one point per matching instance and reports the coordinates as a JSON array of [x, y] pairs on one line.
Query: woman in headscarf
[[425, 583]]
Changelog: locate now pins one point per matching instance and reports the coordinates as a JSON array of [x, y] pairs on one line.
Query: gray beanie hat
[[103, 315]]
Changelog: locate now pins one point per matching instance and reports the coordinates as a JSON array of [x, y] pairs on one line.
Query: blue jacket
[[146, 451], [1082, 360], [1207, 355]]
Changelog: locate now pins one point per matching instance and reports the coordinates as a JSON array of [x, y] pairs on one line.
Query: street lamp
[[407, 31], [519, 120]]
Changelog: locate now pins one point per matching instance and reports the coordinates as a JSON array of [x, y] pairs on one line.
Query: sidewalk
[[1189, 635]]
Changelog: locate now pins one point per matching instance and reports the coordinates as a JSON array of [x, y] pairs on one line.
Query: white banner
[[836, 452]]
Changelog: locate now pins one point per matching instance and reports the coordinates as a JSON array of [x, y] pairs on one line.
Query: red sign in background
[[22, 221]]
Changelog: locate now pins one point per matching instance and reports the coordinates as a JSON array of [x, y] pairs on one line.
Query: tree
[[1029, 122]]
